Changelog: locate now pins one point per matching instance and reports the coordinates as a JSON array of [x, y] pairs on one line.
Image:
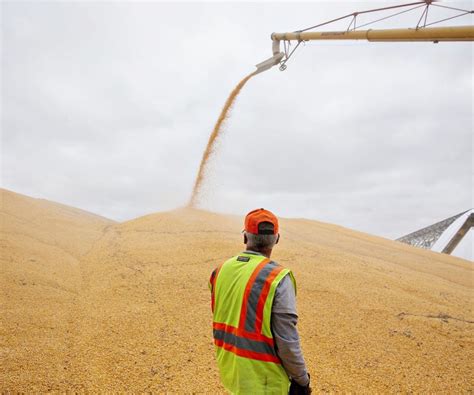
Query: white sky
[[107, 106]]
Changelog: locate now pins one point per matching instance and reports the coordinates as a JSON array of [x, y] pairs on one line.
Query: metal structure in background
[[420, 32], [443, 236]]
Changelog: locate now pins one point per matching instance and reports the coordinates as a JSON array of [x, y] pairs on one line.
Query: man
[[254, 313]]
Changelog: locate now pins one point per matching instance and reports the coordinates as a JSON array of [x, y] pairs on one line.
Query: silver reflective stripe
[[244, 343], [255, 295]]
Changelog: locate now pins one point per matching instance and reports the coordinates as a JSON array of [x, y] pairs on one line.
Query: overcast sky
[[107, 106]]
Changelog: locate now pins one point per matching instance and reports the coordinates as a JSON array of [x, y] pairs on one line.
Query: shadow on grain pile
[[91, 304]]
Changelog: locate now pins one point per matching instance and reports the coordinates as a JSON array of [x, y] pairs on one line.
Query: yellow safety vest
[[242, 292]]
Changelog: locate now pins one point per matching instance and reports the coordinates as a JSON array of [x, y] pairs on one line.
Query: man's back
[[243, 291]]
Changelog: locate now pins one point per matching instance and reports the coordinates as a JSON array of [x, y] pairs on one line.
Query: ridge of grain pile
[[92, 305]]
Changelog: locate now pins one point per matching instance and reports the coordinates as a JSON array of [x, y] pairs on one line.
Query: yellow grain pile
[[41, 244], [133, 314]]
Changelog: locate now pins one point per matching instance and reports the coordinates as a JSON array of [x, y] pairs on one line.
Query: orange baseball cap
[[256, 217]]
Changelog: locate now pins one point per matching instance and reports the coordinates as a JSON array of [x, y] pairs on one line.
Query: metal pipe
[[273, 61], [435, 34]]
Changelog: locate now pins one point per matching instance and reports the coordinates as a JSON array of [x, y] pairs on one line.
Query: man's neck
[[265, 252]]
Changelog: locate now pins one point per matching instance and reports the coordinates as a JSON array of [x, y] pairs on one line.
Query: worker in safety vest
[[254, 317]]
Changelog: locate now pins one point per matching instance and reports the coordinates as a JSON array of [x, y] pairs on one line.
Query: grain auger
[[421, 32]]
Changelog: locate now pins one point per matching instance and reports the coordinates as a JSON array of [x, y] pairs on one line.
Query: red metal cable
[[362, 12]]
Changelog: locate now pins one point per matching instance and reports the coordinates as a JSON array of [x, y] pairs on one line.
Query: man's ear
[[278, 238], [245, 238]]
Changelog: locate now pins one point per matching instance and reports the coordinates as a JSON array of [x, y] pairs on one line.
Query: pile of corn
[[89, 304]]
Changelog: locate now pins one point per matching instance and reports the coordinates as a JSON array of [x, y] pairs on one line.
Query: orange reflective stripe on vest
[[256, 293], [245, 347], [242, 333]]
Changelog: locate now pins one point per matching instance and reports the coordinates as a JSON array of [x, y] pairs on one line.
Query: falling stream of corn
[[213, 137]]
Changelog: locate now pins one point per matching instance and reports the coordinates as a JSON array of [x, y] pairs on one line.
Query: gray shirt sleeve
[[283, 323]]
